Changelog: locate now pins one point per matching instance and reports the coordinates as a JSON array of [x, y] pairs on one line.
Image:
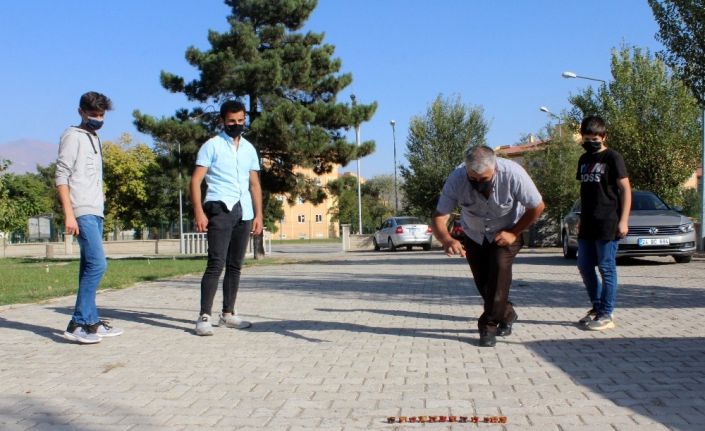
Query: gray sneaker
[[203, 325], [78, 333], [590, 316], [103, 329], [233, 321], [601, 323]]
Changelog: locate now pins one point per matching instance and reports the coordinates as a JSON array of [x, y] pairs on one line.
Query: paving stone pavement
[[343, 343]]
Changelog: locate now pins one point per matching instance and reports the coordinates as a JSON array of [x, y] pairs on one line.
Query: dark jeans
[[491, 267], [228, 235]]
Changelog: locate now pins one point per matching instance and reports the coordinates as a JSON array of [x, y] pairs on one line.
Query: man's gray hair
[[480, 158]]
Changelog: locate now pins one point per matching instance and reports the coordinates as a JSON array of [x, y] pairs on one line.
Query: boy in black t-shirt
[[605, 198]]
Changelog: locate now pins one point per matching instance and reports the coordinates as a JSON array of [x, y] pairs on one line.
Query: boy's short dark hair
[[93, 101], [593, 125], [230, 106]]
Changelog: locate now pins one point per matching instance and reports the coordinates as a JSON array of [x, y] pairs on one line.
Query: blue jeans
[[603, 254], [91, 269]]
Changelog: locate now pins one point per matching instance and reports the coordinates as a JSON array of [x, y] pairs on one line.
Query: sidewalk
[[345, 343]]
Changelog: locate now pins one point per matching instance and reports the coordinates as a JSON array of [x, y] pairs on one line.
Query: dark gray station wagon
[[655, 229]]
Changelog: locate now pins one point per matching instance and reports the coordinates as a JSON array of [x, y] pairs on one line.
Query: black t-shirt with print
[[599, 194]]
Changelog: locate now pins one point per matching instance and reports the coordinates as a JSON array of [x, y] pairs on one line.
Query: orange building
[[304, 220]]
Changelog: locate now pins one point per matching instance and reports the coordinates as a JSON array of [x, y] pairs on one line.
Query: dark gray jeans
[[228, 235]]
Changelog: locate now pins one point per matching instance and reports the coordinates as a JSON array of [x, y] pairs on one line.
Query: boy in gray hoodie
[[79, 180]]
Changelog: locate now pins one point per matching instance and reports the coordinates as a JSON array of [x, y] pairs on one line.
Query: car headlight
[[688, 227]]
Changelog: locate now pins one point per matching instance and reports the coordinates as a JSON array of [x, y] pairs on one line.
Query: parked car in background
[[655, 229], [402, 231], [455, 229]]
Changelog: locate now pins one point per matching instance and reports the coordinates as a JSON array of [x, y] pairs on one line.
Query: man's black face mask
[[481, 186]]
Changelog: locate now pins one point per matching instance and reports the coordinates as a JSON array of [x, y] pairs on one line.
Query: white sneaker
[[601, 323], [203, 325], [233, 321], [104, 330], [78, 333]]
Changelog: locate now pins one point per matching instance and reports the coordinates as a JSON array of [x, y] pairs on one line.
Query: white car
[[402, 231]]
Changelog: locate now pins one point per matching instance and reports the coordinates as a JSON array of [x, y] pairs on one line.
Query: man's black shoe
[[487, 339], [505, 329]]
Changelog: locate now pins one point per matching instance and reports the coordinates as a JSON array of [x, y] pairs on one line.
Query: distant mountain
[[26, 154]]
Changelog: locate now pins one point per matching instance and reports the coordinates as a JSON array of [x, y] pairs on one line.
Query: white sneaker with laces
[[78, 333], [203, 325], [233, 321], [103, 329], [601, 323]]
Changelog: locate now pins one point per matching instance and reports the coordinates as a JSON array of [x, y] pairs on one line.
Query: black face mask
[[234, 130], [481, 186], [592, 146]]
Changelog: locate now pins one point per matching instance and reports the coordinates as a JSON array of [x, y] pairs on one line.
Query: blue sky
[[504, 56]]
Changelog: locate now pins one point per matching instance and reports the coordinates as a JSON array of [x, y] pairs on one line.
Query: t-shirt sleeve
[[254, 165], [449, 197], [619, 167], [205, 155]]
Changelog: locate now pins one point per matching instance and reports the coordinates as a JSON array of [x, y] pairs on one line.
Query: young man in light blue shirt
[[232, 209]]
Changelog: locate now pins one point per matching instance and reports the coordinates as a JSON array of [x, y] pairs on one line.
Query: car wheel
[[427, 247], [568, 251], [408, 248], [374, 243], [390, 245], [683, 259]]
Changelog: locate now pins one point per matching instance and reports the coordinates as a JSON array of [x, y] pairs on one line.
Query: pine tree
[[288, 80]]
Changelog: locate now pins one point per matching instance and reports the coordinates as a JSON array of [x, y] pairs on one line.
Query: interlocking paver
[[342, 343]]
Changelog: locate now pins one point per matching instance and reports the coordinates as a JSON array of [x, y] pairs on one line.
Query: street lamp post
[[359, 190], [702, 190], [181, 207], [394, 140], [570, 75], [560, 128]]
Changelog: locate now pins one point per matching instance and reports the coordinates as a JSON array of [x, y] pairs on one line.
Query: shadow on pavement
[[53, 334], [290, 328], [660, 379], [461, 290], [143, 317]]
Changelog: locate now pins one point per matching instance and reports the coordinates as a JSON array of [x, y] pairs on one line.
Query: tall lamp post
[[181, 207], [359, 190], [394, 140], [570, 75], [551, 114]]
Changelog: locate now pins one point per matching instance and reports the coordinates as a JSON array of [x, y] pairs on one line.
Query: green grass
[[32, 280]]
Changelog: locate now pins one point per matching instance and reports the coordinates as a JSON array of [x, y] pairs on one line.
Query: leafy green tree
[[23, 196], [682, 31], [288, 80], [384, 186], [652, 120], [8, 210], [126, 168], [552, 167], [374, 207], [435, 146]]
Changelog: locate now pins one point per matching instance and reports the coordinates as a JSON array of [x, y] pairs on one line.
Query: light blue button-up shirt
[[228, 175], [513, 191]]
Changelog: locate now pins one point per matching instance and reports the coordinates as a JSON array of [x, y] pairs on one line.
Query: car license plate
[[645, 242]]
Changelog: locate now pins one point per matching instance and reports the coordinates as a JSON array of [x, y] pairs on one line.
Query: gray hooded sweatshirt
[[80, 167]]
